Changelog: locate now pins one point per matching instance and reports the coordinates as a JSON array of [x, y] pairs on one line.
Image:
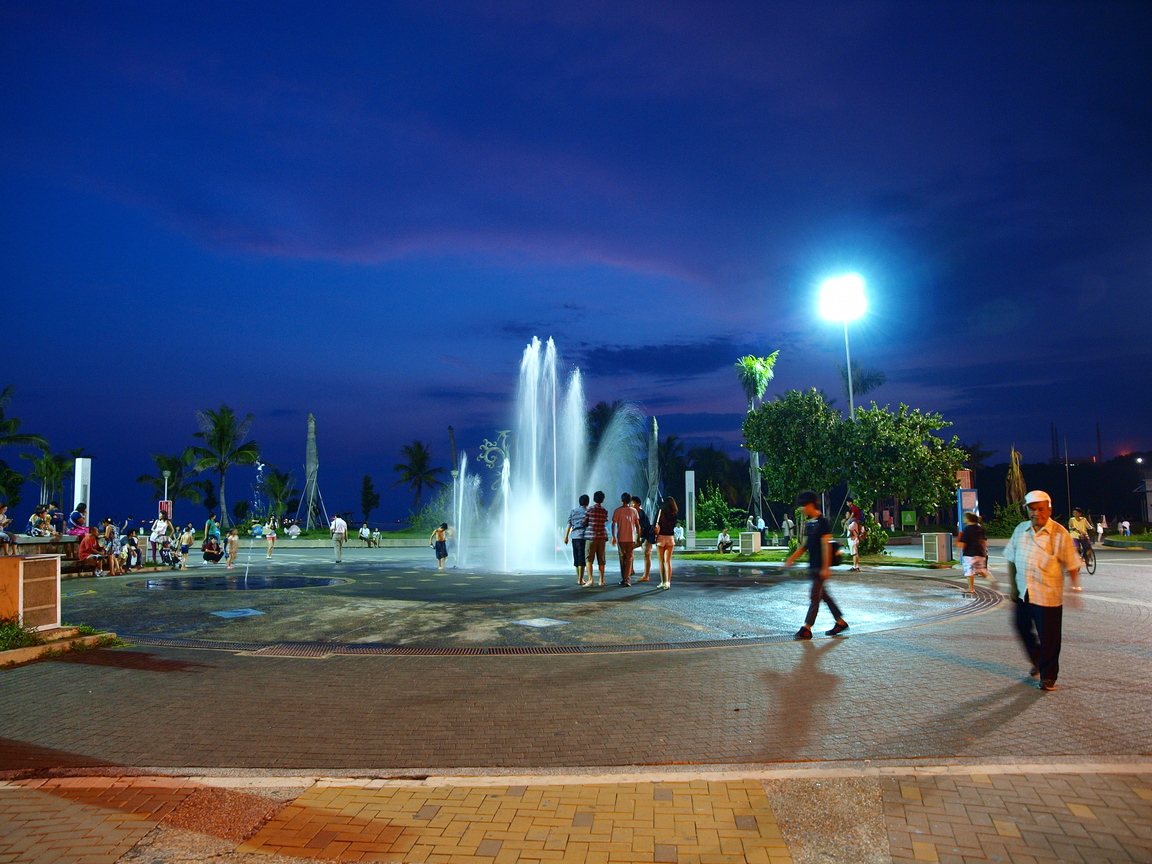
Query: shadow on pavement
[[142, 661], [795, 695]]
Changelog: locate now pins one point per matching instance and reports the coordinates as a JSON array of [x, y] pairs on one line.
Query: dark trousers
[[1039, 629], [820, 593]]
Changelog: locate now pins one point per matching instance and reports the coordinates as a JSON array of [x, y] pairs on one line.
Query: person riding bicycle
[[1081, 530]]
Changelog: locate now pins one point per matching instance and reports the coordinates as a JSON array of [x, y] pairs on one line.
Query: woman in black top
[[665, 526]]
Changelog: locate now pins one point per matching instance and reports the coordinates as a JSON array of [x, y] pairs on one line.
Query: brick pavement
[[957, 814]]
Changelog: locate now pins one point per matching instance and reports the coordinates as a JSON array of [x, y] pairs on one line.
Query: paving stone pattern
[[1035, 818]]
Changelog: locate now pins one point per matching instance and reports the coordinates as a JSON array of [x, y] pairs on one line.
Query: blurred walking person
[[339, 529], [818, 545], [233, 548], [270, 535], [1039, 554], [973, 543]]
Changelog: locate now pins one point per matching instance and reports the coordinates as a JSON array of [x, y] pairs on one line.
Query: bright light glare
[[842, 298]]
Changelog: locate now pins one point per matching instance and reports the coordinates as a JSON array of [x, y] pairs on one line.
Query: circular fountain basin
[[252, 582]]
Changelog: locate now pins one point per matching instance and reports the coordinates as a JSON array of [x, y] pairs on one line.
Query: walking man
[[818, 545], [787, 525], [1040, 552], [596, 534], [625, 533], [339, 535], [575, 533]]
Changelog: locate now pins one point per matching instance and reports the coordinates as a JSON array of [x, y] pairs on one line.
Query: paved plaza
[[920, 737]]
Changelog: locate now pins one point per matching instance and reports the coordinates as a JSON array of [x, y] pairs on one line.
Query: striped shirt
[[1042, 556], [594, 523]]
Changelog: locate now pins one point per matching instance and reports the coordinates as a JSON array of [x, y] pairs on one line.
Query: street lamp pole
[[848, 360], [167, 474], [842, 299]]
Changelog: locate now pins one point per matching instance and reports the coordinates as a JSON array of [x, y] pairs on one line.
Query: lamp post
[[842, 299], [166, 474]]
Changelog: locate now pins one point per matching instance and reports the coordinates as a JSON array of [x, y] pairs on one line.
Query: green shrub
[[1005, 518], [12, 635]]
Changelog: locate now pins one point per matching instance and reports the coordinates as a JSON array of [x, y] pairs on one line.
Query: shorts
[[578, 551], [595, 548], [441, 549], [184, 549], [852, 544], [974, 564], [665, 540]]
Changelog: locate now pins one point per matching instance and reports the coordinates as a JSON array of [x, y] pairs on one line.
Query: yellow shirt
[[1078, 527]]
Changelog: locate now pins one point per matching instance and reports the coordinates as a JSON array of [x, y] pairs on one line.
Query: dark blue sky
[[365, 211]]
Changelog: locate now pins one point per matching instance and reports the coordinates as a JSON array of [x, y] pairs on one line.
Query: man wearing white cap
[[1040, 552]]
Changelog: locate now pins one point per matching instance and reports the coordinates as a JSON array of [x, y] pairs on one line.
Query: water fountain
[[550, 464]]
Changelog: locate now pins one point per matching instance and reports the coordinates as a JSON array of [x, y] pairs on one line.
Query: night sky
[[366, 211]]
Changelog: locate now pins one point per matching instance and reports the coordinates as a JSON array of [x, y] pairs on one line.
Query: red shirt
[[627, 523], [89, 544], [595, 523]]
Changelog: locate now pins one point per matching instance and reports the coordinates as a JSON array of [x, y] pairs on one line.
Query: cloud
[[669, 362]]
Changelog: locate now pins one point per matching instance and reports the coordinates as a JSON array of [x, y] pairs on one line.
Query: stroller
[[168, 555]]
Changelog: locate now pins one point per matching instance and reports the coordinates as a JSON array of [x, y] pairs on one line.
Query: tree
[[11, 485], [863, 380], [10, 434], [369, 497], [897, 453], [279, 487], [599, 418], [799, 435], [224, 446], [211, 502], [180, 485], [239, 511], [977, 455], [49, 470], [755, 373], [713, 465], [418, 472]]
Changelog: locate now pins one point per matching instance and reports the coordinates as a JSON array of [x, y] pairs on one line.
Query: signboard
[[908, 518], [967, 501], [166, 509]]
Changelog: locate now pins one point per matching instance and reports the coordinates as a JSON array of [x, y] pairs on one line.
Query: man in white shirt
[[339, 535], [1040, 552], [724, 541]]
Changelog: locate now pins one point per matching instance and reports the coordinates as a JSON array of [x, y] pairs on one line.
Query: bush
[[12, 635], [1005, 518], [875, 537]]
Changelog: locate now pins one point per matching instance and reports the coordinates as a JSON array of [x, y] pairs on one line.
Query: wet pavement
[[396, 597]]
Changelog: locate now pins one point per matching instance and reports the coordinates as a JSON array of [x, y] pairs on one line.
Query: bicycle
[[1087, 555]]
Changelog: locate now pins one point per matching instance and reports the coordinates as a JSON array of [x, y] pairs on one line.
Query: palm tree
[[863, 380], [977, 455], [180, 485], [417, 472], [224, 446], [599, 417], [279, 486], [11, 484], [755, 373], [49, 470], [10, 435]]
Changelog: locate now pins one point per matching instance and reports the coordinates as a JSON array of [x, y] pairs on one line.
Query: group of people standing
[[590, 529]]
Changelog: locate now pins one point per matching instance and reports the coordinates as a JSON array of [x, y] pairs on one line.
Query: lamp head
[[842, 298]]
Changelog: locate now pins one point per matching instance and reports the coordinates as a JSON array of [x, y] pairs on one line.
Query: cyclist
[[1081, 531]]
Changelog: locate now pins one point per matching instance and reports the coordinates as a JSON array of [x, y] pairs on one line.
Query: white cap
[[1036, 496]]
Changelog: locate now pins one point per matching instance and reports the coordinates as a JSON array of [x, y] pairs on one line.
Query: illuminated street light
[[842, 299]]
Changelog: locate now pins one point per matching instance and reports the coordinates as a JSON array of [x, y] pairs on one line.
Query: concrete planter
[[63, 640], [1124, 543]]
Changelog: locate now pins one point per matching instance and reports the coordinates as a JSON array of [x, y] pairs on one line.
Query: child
[[973, 544], [233, 548], [186, 541]]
